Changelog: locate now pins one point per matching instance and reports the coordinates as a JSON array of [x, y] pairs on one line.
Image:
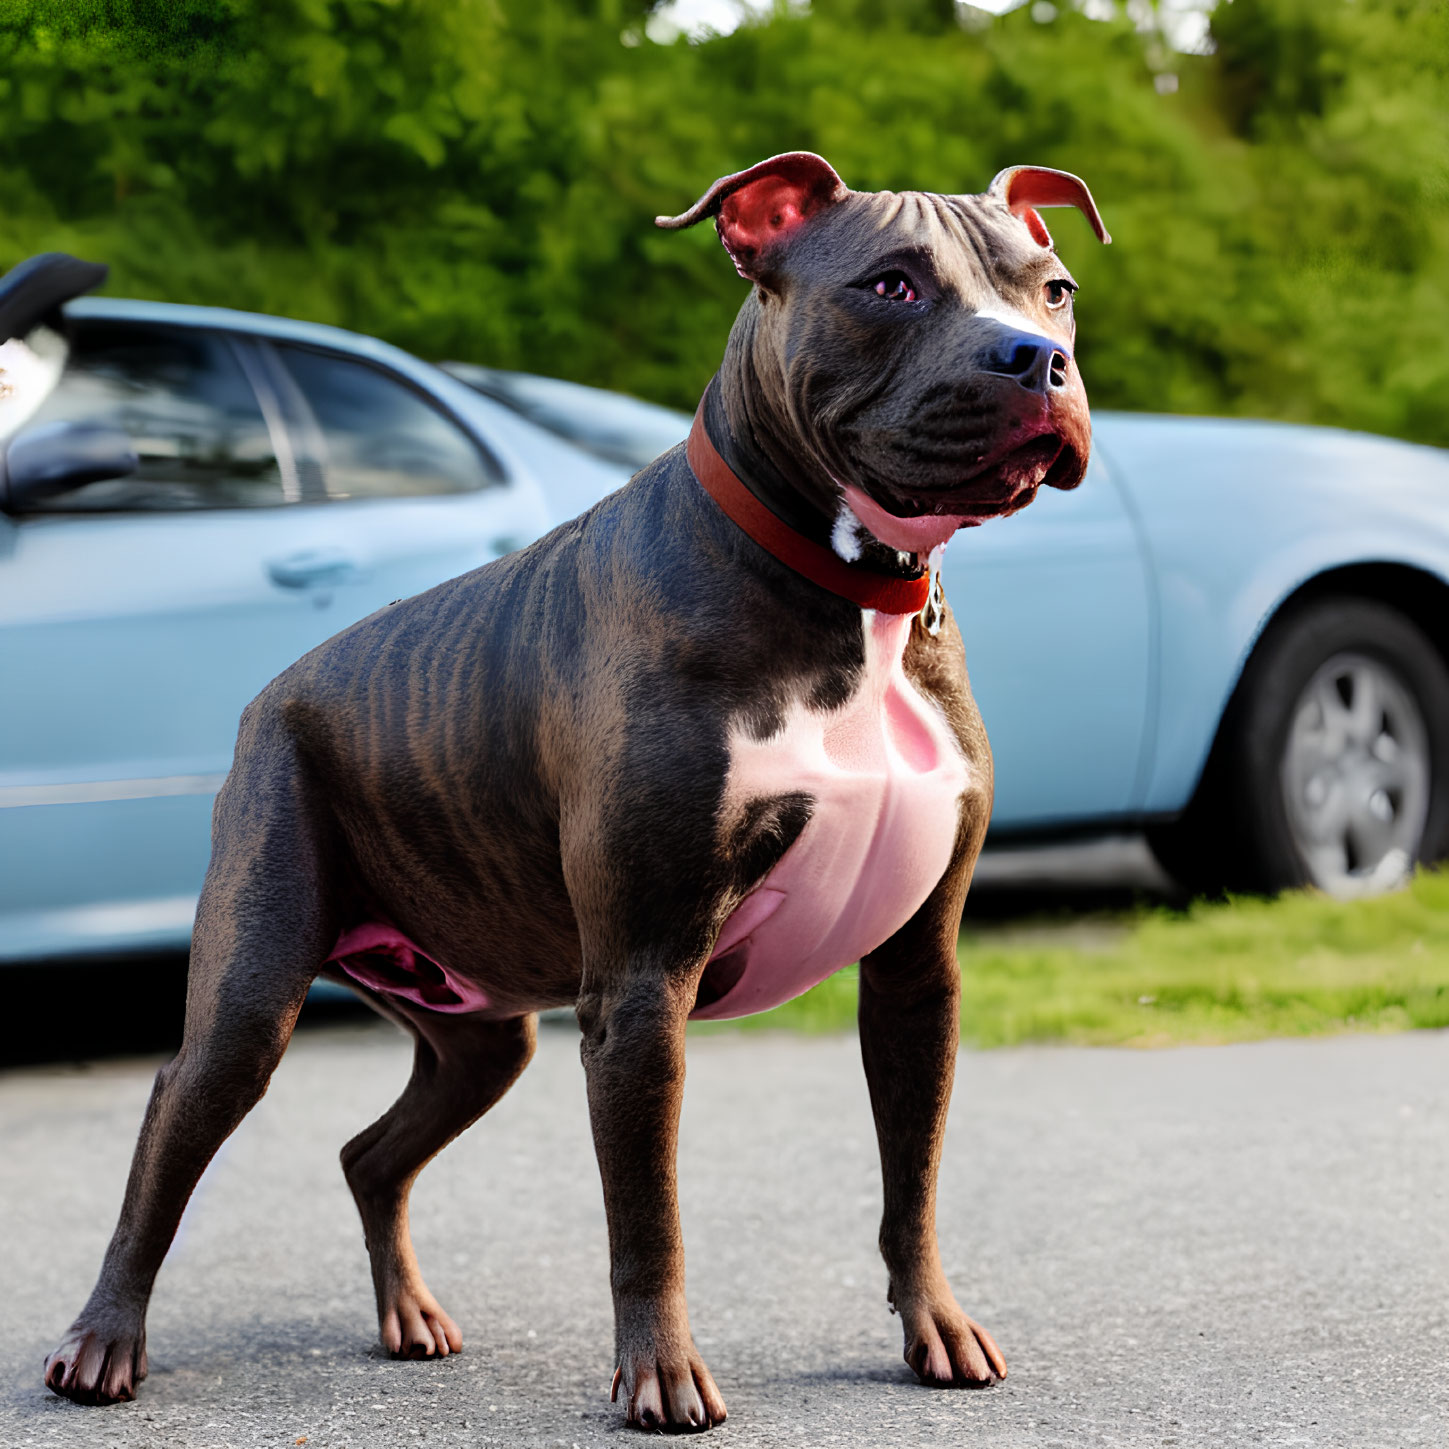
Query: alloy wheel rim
[[1355, 776]]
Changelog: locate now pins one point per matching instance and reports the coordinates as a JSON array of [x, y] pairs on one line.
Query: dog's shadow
[[840, 1376]]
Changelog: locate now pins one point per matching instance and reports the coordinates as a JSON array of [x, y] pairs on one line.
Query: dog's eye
[[894, 287], [1059, 292]]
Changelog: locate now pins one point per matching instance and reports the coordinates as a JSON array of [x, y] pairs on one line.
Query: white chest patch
[[886, 776]]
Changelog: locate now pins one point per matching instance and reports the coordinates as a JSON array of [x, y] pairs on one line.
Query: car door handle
[[312, 568]]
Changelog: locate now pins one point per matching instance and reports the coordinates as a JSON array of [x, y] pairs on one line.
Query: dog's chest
[[886, 774]]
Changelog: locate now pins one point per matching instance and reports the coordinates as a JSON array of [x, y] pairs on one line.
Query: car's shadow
[[76, 1011], [117, 1006]]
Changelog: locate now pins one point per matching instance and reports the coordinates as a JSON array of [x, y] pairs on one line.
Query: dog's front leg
[[910, 1001], [633, 1050]]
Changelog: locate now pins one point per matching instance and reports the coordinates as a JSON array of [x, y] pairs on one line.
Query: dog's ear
[[758, 209], [1021, 189]]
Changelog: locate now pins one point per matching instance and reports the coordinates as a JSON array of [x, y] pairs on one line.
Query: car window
[[375, 436], [181, 396]]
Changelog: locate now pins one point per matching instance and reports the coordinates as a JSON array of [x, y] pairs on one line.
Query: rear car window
[[375, 436]]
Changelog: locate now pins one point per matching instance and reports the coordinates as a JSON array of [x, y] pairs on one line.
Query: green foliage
[[1299, 965], [478, 178]]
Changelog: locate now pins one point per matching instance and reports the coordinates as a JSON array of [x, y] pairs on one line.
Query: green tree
[[478, 178]]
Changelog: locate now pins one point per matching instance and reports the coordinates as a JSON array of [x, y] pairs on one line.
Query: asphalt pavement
[[1208, 1246]]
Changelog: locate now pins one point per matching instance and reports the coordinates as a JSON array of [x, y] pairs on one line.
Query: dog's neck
[[772, 463]]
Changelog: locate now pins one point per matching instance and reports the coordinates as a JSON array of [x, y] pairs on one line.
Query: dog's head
[[915, 351]]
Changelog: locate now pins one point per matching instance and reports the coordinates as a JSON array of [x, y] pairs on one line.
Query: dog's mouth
[[964, 460], [971, 490], [999, 484], [1009, 481]]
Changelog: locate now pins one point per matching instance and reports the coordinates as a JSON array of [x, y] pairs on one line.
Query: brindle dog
[[567, 777]]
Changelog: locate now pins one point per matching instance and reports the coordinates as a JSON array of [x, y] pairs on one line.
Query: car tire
[[1331, 766]]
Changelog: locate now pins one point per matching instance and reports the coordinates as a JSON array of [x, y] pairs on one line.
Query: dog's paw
[[413, 1325], [947, 1350], [96, 1365], [678, 1398]]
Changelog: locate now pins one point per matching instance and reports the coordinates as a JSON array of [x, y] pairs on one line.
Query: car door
[[136, 618], [398, 495], [1055, 606], [139, 615]]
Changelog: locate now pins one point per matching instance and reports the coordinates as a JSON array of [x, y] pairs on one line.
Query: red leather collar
[[816, 562]]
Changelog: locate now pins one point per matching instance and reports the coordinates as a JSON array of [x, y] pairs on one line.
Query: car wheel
[[1331, 767]]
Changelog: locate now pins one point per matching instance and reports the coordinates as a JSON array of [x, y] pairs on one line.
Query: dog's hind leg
[[462, 1066], [263, 927]]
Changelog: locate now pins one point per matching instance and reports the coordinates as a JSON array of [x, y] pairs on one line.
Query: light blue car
[[284, 480], [1233, 634]]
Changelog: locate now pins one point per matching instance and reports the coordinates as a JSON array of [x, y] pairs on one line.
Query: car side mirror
[[57, 457]]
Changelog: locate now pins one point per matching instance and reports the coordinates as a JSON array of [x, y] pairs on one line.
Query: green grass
[[1301, 965]]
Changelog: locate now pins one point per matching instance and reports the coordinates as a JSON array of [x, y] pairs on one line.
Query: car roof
[[261, 324], [492, 424]]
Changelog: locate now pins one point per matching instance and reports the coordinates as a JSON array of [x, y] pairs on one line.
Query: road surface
[[1240, 1245]]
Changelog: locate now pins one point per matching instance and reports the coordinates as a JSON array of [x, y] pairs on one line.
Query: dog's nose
[[1037, 363]]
